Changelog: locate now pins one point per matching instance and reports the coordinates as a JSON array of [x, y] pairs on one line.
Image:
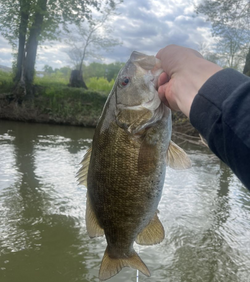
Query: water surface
[[205, 212]]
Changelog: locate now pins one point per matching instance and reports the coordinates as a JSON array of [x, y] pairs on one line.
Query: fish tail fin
[[111, 266]]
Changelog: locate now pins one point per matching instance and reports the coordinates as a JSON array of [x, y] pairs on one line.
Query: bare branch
[[91, 38]]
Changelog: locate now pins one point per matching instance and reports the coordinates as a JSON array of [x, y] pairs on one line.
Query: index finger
[[163, 78]]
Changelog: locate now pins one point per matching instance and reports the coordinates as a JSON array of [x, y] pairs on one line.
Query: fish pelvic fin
[[177, 158], [111, 266], [92, 225], [82, 174], [152, 234]]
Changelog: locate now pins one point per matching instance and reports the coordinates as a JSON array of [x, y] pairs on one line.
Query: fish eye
[[125, 80]]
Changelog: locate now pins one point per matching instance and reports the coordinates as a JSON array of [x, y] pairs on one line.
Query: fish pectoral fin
[[152, 234], [177, 158], [93, 227], [83, 171], [111, 266]]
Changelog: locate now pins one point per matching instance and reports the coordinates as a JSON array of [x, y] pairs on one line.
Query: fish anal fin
[[152, 234], [93, 227], [111, 266], [82, 174], [177, 158]]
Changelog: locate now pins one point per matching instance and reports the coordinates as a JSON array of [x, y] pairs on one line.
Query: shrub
[[100, 84], [6, 81]]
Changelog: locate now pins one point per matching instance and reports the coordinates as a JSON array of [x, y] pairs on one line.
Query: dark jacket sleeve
[[221, 113]]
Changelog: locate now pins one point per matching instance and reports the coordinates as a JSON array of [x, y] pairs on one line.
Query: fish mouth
[[157, 115], [136, 119], [139, 106]]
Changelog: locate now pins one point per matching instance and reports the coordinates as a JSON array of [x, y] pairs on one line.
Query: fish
[[124, 170]]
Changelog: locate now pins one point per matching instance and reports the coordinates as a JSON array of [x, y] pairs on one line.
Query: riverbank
[[55, 103], [67, 106], [77, 107], [63, 105]]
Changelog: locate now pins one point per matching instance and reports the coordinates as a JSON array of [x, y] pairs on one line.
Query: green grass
[[54, 79], [56, 102], [59, 79], [100, 84], [6, 81]]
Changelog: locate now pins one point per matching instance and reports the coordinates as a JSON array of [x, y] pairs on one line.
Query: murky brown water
[[205, 212]]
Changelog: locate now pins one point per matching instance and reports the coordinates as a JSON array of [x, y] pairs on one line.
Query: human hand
[[185, 71]]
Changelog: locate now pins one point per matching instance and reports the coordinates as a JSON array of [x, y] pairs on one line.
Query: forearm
[[220, 112]]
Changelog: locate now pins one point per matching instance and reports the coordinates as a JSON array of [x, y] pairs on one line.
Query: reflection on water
[[205, 212]]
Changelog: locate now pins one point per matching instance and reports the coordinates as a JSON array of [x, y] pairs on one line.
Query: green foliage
[[73, 105], [56, 102], [99, 77], [56, 13], [109, 71], [231, 25], [6, 81], [26, 23], [112, 70], [57, 78], [48, 69], [5, 76], [66, 71], [100, 84]]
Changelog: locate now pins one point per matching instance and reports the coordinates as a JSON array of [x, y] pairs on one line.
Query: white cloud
[[142, 25]]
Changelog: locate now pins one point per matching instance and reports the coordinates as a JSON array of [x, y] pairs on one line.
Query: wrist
[[202, 71]]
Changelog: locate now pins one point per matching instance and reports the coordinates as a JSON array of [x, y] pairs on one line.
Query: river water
[[205, 212]]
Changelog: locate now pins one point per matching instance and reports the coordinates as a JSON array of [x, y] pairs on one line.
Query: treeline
[[98, 77], [97, 70], [26, 24]]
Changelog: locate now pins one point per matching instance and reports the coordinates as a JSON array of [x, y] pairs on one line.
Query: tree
[[231, 23], [87, 40], [108, 71], [232, 49], [246, 69], [208, 53], [48, 70], [112, 70], [32, 21]]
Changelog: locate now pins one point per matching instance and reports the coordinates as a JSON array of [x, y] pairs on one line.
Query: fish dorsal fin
[[83, 171], [177, 158], [93, 227], [152, 234], [111, 266]]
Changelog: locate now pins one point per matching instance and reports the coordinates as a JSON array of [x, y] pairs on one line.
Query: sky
[[142, 25]]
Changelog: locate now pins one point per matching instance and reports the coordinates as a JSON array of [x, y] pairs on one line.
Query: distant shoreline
[[78, 108], [82, 111], [13, 112]]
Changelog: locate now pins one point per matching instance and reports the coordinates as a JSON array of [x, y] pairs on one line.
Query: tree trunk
[[76, 79], [246, 70], [24, 7], [32, 44]]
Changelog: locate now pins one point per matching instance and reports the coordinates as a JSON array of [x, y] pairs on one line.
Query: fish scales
[[115, 182]]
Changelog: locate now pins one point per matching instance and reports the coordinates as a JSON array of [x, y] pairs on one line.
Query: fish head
[[137, 102]]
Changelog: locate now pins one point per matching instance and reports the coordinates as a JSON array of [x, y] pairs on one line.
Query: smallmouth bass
[[124, 169]]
